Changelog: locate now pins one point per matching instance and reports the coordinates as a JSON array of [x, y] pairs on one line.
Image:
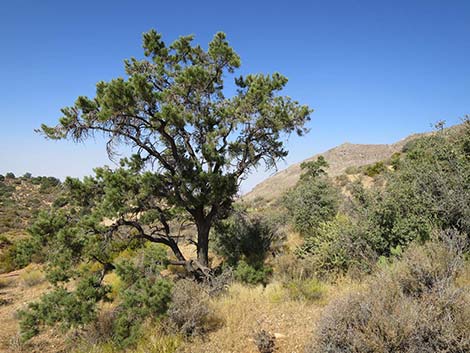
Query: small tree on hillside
[[192, 144], [314, 199]]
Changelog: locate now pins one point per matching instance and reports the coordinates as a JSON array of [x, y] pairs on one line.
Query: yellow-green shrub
[[32, 277]]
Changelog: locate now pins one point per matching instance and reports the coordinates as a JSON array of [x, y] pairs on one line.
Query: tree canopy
[[192, 144]]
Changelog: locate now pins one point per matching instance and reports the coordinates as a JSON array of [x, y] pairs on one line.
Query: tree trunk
[[176, 250], [203, 229]]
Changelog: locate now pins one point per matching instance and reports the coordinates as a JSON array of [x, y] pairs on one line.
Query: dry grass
[[243, 311], [15, 296], [248, 310], [31, 276]]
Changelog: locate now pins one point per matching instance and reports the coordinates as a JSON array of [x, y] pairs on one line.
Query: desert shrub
[[429, 190], [190, 312], [9, 175], [306, 290], [313, 169], [19, 254], [374, 169], [26, 251], [145, 299], [411, 306], [243, 236], [59, 202], [387, 219], [395, 160], [144, 294], [32, 277], [289, 267], [100, 330], [298, 278], [6, 262], [5, 191], [32, 249], [264, 341], [4, 241], [352, 170], [338, 246], [98, 338], [220, 280], [431, 265], [312, 201], [47, 183], [66, 308], [245, 241], [342, 180], [252, 273], [141, 296]]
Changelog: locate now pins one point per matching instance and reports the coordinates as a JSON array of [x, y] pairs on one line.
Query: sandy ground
[[14, 295]]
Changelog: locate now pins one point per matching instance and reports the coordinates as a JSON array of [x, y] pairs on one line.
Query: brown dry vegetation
[[247, 310], [237, 316], [16, 290]]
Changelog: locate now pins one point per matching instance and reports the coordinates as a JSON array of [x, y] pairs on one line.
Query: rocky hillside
[[21, 198], [339, 158]]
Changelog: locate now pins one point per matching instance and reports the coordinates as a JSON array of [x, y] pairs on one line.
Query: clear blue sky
[[374, 71]]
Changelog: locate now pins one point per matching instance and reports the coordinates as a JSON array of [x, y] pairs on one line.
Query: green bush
[[248, 237], [252, 273], [313, 169], [338, 246], [245, 242], [311, 202], [144, 299], [20, 254], [65, 308], [395, 160], [306, 290], [143, 293], [314, 199], [428, 189], [47, 183], [375, 169], [5, 191]]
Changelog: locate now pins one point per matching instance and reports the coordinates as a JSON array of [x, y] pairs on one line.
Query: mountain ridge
[[339, 159]]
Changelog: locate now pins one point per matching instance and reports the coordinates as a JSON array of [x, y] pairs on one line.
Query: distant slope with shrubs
[[347, 157], [21, 199]]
